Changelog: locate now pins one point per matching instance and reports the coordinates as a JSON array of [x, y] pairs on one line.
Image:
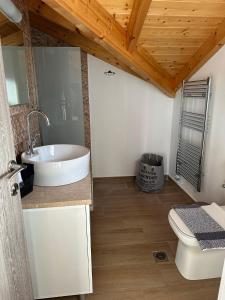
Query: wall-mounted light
[[8, 8], [109, 73]]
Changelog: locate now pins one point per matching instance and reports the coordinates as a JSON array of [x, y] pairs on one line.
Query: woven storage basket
[[151, 173]]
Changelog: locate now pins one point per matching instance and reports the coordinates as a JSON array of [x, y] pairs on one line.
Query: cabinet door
[[59, 250]]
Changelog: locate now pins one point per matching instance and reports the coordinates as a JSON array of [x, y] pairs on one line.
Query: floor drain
[[160, 256]]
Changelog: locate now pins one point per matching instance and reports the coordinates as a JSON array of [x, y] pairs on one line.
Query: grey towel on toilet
[[208, 232]]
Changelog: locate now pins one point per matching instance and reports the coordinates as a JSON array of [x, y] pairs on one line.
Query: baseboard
[[119, 178], [180, 186], [115, 178]]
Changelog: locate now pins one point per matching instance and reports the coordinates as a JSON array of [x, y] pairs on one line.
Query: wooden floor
[[127, 226]]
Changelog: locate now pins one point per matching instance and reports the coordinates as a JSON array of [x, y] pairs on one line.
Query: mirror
[[14, 60]]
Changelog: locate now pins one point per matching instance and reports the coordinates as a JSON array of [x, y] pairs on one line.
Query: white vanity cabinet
[[59, 248]]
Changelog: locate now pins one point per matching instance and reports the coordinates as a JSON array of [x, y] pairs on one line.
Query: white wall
[[128, 118], [214, 169]]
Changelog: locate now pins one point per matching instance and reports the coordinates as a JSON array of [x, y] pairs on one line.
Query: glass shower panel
[[60, 94]]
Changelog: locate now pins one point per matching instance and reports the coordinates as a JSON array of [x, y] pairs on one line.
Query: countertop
[[78, 193]]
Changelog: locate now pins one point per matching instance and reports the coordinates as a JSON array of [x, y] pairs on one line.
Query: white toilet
[[191, 261]]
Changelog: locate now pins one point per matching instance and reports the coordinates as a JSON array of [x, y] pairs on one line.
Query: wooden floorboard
[[127, 226]]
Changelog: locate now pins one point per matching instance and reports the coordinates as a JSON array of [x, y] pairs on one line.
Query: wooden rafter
[[3, 20], [214, 42], [13, 39], [43, 21], [7, 27], [40, 8], [136, 22], [97, 24]]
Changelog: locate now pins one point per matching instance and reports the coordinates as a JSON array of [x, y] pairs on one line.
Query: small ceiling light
[[110, 73], [8, 8]]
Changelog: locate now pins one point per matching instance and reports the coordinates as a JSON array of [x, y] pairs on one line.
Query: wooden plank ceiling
[[163, 42], [11, 35]]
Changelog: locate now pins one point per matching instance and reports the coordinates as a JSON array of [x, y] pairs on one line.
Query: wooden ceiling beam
[[3, 20], [75, 39], [97, 24], [214, 42], [40, 8], [13, 39], [7, 27], [136, 22]]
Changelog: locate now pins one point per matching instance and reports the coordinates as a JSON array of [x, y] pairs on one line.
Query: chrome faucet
[[30, 140]]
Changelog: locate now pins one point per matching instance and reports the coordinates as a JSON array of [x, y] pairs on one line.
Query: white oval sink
[[56, 165]]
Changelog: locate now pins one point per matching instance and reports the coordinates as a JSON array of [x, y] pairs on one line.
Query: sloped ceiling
[[163, 42], [11, 35]]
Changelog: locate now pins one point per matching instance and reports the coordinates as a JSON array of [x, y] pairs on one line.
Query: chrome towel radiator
[[192, 131]]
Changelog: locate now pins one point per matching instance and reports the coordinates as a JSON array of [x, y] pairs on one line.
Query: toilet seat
[[191, 261], [181, 230]]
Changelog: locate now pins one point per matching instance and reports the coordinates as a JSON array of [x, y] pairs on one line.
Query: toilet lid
[[180, 225]]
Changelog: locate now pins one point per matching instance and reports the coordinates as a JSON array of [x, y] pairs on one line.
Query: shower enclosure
[[59, 81]]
